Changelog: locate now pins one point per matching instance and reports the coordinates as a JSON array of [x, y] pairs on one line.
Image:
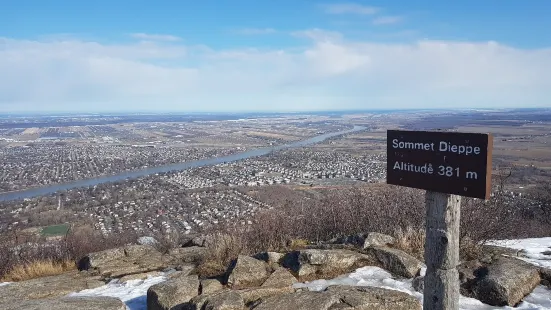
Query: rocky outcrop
[[173, 293], [368, 298], [365, 241], [505, 282], [137, 259], [248, 272], [397, 262], [313, 264], [48, 287], [67, 303]]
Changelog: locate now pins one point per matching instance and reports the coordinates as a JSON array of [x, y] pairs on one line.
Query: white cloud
[[328, 72], [155, 37], [387, 20], [350, 8], [255, 31]]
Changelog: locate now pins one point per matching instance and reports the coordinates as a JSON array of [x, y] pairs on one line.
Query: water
[[50, 189]]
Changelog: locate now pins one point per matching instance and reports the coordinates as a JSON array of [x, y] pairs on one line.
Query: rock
[[343, 297], [210, 286], [548, 253], [272, 258], [545, 275], [312, 264], [48, 287], [496, 251], [186, 268], [468, 276], [140, 251], [193, 254], [248, 272], [97, 259], [174, 292], [67, 303], [374, 239], [300, 301], [355, 240], [397, 262], [225, 301], [281, 277], [140, 276], [505, 282], [253, 295], [419, 284]]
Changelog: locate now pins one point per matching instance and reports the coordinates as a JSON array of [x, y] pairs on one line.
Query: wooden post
[[442, 251]]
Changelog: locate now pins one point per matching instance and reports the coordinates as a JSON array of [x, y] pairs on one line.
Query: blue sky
[[273, 55]]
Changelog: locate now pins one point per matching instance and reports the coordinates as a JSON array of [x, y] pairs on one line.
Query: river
[[50, 189]]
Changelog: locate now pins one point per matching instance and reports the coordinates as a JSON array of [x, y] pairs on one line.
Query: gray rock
[[174, 292], [545, 275], [374, 239], [310, 264], [397, 262], [254, 295], [225, 301], [281, 277], [505, 282], [97, 259], [48, 287], [248, 272], [67, 303], [272, 258], [418, 284], [210, 286], [191, 254], [343, 297]]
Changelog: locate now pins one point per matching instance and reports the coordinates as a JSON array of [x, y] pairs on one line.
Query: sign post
[[448, 165]]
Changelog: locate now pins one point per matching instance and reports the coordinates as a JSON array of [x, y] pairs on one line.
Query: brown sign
[[446, 162]]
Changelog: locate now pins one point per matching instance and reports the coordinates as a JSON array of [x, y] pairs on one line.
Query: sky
[[285, 55]]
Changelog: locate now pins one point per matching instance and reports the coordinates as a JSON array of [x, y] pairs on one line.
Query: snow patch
[[133, 293], [5, 283], [533, 248]]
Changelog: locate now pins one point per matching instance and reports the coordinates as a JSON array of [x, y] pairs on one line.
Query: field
[[55, 230]]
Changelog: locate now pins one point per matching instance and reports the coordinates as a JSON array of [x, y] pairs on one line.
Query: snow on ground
[[533, 248], [5, 283], [133, 293], [377, 277]]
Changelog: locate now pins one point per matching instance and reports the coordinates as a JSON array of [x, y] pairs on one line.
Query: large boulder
[[374, 239], [248, 272], [193, 254], [397, 262], [137, 259], [273, 259], [225, 301], [67, 303], [209, 286], [48, 287], [281, 277], [505, 282], [222, 300], [175, 292], [312, 264], [343, 297]]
